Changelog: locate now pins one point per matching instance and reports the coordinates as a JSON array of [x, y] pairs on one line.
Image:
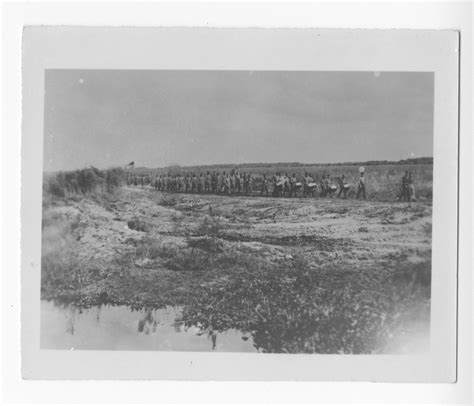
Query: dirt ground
[[300, 275]]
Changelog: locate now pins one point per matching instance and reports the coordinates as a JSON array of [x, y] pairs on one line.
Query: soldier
[[264, 188], [202, 183], [361, 188], [311, 185], [411, 188], [232, 181], [158, 182], [243, 182], [330, 186], [194, 183], [275, 180], [293, 182], [227, 184], [187, 183], [220, 182], [322, 186], [404, 188], [327, 186], [341, 180], [207, 183], [285, 179], [214, 182], [164, 184], [249, 185], [306, 184], [237, 182], [178, 183]]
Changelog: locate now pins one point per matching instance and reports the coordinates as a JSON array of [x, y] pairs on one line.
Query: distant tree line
[[282, 165]]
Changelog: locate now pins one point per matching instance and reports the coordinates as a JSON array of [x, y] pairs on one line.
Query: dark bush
[[88, 181]]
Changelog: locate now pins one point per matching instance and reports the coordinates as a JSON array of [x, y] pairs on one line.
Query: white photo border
[[245, 49]]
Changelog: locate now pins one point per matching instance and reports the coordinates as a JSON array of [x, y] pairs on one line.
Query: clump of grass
[[177, 220], [154, 249], [210, 226], [138, 224], [198, 254], [168, 201], [207, 244]]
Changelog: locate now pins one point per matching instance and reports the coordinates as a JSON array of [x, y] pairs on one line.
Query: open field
[[297, 275]]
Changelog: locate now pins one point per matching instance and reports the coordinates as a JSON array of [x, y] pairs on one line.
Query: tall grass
[[83, 182]]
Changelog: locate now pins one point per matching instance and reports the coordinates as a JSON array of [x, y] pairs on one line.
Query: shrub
[[138, 224], [210, 226], [85, 182]]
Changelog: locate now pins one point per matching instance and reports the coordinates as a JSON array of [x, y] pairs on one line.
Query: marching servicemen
[[242, 183]]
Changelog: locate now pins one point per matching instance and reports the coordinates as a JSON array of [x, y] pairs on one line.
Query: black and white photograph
[[241, 211], [239, 204]]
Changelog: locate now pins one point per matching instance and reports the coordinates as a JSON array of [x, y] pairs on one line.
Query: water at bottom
[[120, 328]]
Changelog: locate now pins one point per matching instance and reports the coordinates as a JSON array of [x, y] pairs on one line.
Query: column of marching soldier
[[279, 185]]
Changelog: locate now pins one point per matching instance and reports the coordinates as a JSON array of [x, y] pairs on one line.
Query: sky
[[109, 118]]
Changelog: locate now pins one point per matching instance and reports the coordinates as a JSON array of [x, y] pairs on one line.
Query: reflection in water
[[148, 323], [120, 328]]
